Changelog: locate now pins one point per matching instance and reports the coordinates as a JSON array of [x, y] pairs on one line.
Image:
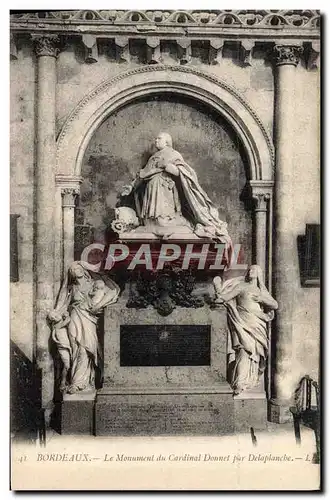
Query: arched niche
[[145, 82], [125, 87]]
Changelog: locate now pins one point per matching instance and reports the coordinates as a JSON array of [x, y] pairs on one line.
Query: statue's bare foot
[[72, 389]]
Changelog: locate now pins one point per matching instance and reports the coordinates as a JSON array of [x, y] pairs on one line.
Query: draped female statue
[[74, 319], [250, 308]]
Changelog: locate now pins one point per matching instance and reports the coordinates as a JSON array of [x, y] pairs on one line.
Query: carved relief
[[287, 54], [68, 197], [250, 308], [80, 302], [261, 200], [164, 290], [47, 45]]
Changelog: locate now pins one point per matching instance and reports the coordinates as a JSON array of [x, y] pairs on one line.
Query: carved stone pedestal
[[182, 411], [250, 411], [76, 413], [164, 374]]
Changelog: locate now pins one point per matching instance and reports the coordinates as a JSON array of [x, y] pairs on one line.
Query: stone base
[[250, 410], [77, 413], [205, 411], [279, 411]]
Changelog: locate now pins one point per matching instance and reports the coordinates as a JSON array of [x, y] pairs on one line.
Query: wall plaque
[[165, 345]]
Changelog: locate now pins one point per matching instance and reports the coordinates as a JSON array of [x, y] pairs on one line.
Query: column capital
[[261, 193], [68, 196], [261, 200], [46, 45], [287, 54]]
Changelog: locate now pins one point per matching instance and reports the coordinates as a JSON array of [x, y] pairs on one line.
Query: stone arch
[[149, 80]]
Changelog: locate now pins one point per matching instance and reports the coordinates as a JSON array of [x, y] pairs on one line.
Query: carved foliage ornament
[[287, 54], [46, 45]]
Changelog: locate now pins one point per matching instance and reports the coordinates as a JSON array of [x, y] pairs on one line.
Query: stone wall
[[22, 185], [306, 206]]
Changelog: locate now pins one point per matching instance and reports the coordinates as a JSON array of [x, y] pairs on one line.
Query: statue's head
[[162, 140], [79, 269], [254, 272]]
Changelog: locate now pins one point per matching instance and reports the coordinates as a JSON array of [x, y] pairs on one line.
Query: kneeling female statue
[[250, 308], [80, 301]]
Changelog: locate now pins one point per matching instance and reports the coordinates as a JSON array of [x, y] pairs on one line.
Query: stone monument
[[180, 356]]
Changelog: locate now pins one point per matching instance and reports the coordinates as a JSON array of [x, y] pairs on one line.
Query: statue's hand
[[172, 169], [126, 190], [54, 316]]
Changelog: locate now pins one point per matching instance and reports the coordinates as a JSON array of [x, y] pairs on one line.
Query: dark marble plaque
[[165, 345]]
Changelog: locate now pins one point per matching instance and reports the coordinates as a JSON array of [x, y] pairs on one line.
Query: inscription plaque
[[190, 414], [165, 345]]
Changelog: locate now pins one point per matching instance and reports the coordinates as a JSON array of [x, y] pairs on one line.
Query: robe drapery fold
[[76, 332], [159, 194], [247, 339]]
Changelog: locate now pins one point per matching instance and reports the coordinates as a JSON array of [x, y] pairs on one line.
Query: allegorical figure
[[168, 198], [250, 308], [81, 300]]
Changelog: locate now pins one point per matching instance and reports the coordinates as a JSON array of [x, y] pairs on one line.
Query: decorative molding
[[246, 51], [68, 181], [215, 51], [250, 19], [261, 201], [164, 291], [287, 54], [91, 51], [184, 50], [159, 68], [153, 50], [122, 49], [46, 45]]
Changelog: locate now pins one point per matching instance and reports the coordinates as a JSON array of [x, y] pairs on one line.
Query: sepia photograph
[[165, 244]]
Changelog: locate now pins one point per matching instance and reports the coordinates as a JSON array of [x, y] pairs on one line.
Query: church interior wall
[[75, 80], [22, 186]]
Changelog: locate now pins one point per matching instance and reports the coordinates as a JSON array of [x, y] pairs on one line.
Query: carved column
[[262, 197], [286, 59], [68, 206], [46, 51]]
